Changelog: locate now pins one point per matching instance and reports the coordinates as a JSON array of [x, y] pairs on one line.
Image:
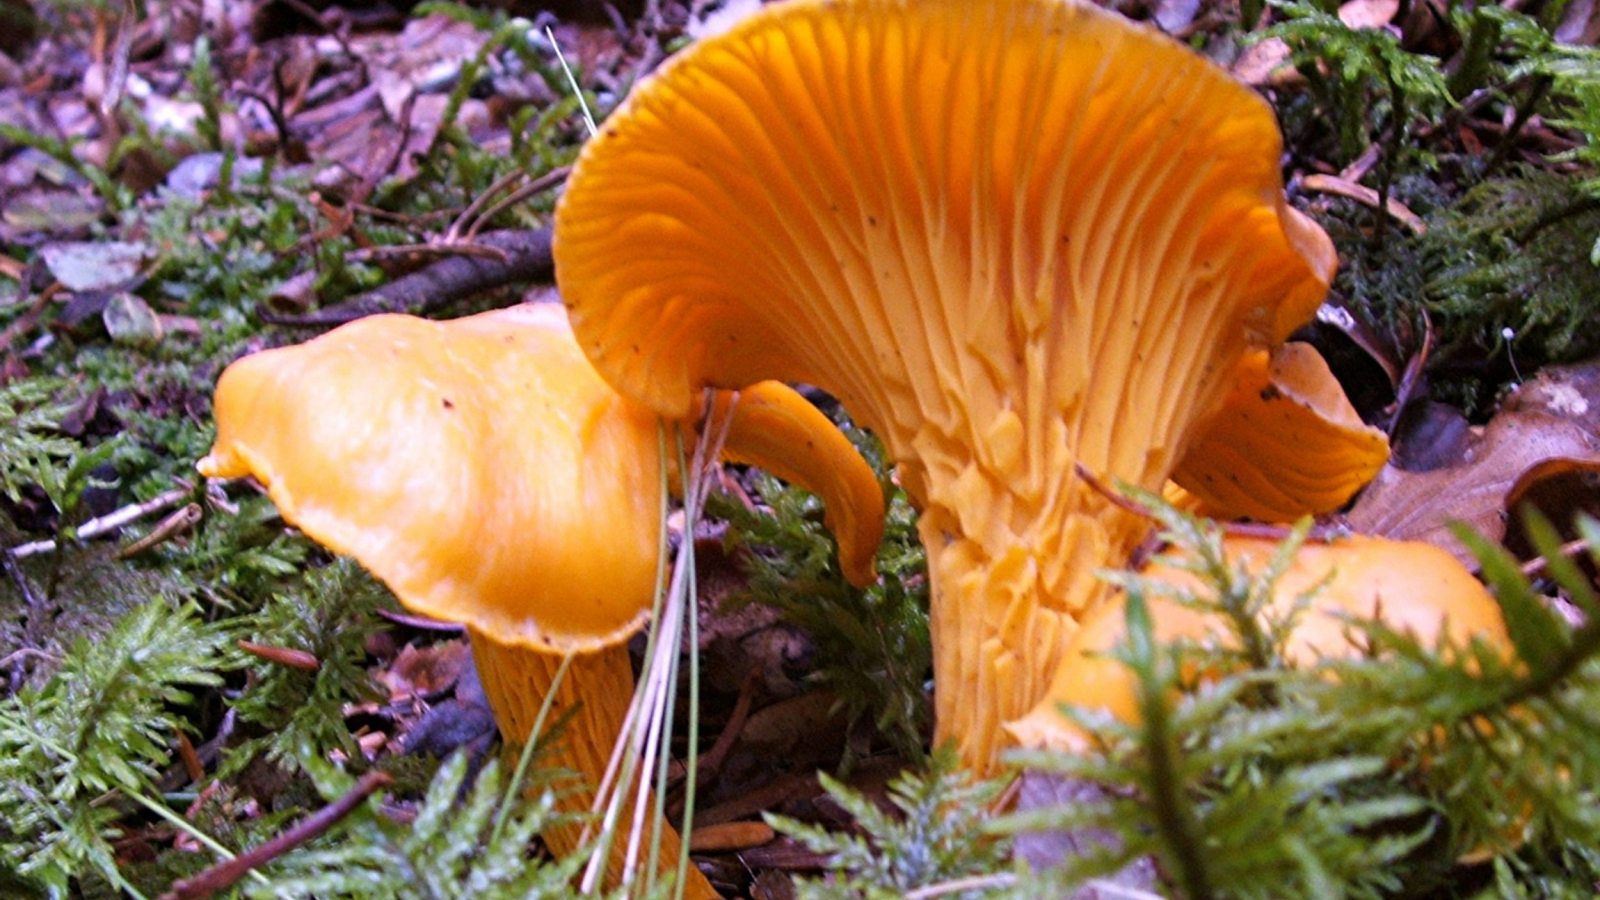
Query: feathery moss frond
[[102, 725], [935, 838]]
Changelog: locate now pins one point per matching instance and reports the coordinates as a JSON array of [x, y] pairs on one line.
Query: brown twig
[[110, 521], [712, 761], [1571, 548], [537, 186], [1411, 378], [1116, 499], [729, 836], [192, 766], [527, 258], [225, 874], [8, 559], [165, 530], [470, 214], [443, 251], [1524, 112], [407, 111], [283, 656], [30, 317], [17, 656]]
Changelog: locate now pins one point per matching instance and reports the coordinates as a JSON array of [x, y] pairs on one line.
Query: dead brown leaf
[[425, 671], [1264, 63], [1555, 416], [1561, 490], [1368, 13]]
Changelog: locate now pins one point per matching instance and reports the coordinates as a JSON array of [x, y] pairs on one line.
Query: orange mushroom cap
[[1411, 587], [479, 466], [475, 466], [1011, 237], [1286, 442]]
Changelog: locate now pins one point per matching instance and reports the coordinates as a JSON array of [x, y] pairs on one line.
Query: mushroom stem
[[1001, 617], [592, 700]]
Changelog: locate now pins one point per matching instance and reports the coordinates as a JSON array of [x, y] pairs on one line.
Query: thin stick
[[30, 317], [25, 652], [165, 530], [31, 597], [956, 886], [1571, 548], [467, 215], [109, 522], [543, 183], [292, 657], [224, 875], [457, 248], [712, 760]]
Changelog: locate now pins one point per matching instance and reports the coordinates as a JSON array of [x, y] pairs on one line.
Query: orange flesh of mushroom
[[479, 466], [439, 454], [1286, 442], [1412, 587], [1011, 237]]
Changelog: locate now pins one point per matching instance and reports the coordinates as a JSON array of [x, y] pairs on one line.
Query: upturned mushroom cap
[[484, 471], [1286, 443], [475, 466], [1010, 236], [1411, 587]]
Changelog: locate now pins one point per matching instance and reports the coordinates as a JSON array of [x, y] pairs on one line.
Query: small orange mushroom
[[483, 471], [1013, 237], [1411, 587]]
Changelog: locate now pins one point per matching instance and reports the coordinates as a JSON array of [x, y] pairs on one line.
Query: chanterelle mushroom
[[484, 472], [1010, 236]]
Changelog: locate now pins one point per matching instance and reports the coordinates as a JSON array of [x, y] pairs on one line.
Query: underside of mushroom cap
[[1012, 237], [479, 467], [998, 232], [905, 202]]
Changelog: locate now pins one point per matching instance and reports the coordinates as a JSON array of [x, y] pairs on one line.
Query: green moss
[[1514, 253], [873, 645]]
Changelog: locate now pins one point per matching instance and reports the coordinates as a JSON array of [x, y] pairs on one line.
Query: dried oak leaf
[[1554, 416]]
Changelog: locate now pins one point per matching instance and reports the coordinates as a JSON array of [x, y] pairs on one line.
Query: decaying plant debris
[[188, 679]]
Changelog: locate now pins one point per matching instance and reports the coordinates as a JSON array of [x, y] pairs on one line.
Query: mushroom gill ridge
[[1011, 237]]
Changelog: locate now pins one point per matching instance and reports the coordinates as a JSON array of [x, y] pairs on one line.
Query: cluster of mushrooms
[[1029, 244]]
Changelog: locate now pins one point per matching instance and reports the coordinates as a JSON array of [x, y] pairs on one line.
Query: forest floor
[[186, 676]]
